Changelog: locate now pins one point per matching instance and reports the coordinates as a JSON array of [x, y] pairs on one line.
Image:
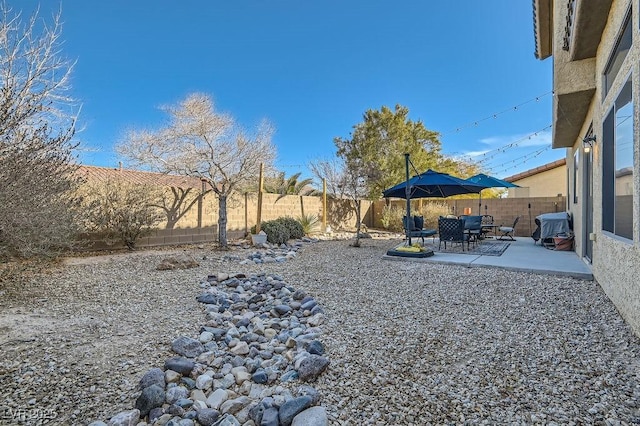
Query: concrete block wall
[[200, 223], [503, 210]]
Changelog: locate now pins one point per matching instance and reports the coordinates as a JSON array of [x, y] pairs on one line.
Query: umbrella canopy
[[434, 184], [490, 181]]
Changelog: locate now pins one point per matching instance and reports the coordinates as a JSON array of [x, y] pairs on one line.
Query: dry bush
[[38, 207], [431, 211], [121, 211]]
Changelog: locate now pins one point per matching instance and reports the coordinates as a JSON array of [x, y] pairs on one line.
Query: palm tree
[[290, 186]]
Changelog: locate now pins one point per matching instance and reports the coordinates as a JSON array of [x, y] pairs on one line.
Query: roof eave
[[543, 28]]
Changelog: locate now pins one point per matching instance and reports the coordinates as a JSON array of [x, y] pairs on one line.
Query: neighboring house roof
[[541, 169], [94, 173]]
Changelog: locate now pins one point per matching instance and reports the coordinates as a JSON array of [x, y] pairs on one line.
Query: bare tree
[[344, 183], [203, 143], [37, 123]]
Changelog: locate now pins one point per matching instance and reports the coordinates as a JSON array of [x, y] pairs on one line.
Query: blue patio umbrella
[[489, 182], [429, 184], [433, 184]]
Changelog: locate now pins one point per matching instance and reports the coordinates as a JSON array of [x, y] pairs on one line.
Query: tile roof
[[94, 173]]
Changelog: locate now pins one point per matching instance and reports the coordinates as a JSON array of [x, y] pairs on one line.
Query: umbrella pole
[[408, 196], [480, 204]]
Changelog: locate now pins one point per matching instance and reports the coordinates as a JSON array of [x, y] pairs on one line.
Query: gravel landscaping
[[409, 343]]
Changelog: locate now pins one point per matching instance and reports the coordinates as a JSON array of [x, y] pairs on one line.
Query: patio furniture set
[[452, 229], [431, 184]]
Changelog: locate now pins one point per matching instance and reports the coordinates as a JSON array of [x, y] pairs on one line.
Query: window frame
[[609, 166], [609, 80]]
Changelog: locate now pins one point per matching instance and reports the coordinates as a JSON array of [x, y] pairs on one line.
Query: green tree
[[377, 146]]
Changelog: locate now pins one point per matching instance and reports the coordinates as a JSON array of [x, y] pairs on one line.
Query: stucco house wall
[[614, 259], [549, 180]]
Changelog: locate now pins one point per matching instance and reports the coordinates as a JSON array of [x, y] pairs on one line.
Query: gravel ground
[[409, 343]]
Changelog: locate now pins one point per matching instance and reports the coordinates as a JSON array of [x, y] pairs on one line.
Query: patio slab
[[522, 255]]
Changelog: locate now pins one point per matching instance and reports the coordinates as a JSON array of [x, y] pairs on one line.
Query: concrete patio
[[521, 255]]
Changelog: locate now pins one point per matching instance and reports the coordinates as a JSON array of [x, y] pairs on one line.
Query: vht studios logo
[[22, 415]]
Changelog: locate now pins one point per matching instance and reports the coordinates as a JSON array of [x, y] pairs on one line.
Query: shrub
[[277, 233], [391, 218], [431, 211], [309, 223], [121, 211], [293, 226]]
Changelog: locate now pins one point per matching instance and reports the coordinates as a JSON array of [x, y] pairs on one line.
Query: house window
[[617, 166], [617, 56]]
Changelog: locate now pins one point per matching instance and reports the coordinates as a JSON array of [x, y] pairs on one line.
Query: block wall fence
[[200, 223]]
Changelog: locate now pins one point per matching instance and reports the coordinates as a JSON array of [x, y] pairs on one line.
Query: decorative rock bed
[[269, 253], [250, 364]]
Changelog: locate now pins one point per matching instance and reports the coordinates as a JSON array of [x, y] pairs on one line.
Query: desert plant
[[391, 218], [309, 223], [293, 226], [431, 211], [121, 211], [277, 232], [38, 206]]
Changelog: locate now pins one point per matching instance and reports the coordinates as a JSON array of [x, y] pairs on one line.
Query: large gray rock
[[228, 421], [180, 365], [270, 417], [187, 347], [207, 416], [177, 262], [151, 397], [125, 418], [315, 347], [291, 408], [207, 298], [311, 367], [216, 398], [155, 376], [314, 416], [306, 390], [175, 394], [232, 406]]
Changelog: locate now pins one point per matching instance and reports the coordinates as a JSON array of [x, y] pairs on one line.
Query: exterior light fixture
[[587, 143]]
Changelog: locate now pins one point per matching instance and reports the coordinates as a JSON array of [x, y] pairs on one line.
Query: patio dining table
[[486, 229]]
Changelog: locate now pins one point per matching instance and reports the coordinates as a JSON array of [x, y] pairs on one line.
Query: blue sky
[[312, 68]]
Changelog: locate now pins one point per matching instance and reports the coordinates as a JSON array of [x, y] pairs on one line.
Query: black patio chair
[[451, 231], [414, 228], [507, 231], [473, 228]]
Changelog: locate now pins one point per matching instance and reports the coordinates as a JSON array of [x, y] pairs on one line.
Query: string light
[[489, 155], [496, 114], [515, 163]]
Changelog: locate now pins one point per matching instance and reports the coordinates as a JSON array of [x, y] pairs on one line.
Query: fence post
[[324, 205], [260, 184]]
